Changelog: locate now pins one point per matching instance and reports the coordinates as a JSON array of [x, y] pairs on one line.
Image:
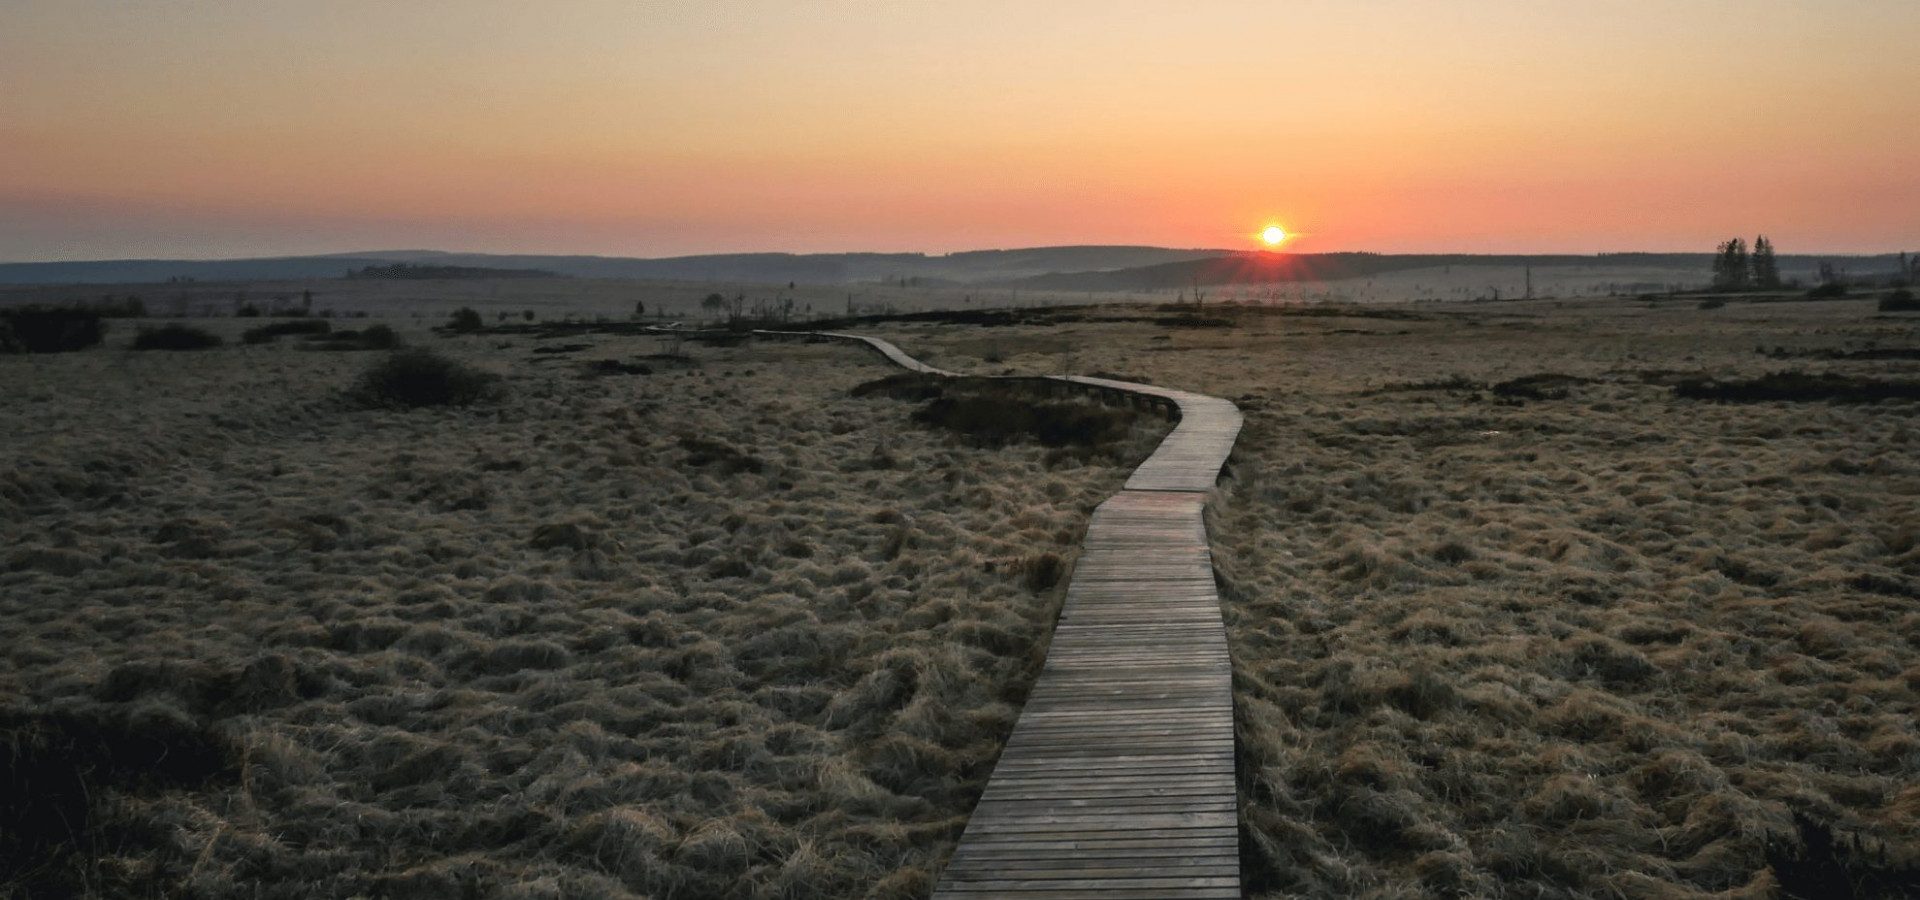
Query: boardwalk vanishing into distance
[[1118, 779]]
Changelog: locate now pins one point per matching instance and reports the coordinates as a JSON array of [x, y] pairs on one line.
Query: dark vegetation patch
[[604, 367], [266, 334], [372, 337], [66, 775], [730, 460], [1541, 386], [1544, 386], [46, 329], [1112, 376], [175, 337], [1797, 386], [1863, 354], [1901, 300], [562, 348], [1818, 865], [984, 318], [995, 413], [420, 377]]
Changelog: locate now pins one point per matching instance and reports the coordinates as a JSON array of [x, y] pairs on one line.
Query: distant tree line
[[414, 271]]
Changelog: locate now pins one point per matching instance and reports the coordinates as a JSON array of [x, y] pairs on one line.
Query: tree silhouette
[[1730, 266], [1765, 270]]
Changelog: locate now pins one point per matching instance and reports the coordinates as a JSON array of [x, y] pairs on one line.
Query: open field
[[1511, 618], [717, 630]]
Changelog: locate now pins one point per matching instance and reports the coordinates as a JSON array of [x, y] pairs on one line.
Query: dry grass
[[718, 631], [1580, 637]]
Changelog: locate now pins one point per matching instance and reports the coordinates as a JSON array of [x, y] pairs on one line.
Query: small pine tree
[[1765, 270]]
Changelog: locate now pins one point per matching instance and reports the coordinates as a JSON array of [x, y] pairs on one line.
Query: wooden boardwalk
[[1118, 780]]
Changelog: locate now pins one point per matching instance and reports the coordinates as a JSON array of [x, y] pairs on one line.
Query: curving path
[[1118, 779]]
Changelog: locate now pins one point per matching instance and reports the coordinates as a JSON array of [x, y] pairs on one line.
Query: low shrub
[[1901, 300], [267, 333], [1802, 386], [1832, 290], [175, 337], [45, 329], [420, 377], [1713, 303], [465, 320]]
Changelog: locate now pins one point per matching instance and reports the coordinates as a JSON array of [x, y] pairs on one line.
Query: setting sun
[[1273, 235]]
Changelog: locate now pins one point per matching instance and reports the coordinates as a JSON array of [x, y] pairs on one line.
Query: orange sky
[[145, 128]]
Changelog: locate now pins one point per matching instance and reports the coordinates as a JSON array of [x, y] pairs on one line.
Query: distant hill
[[976, 266], [1079, 268]]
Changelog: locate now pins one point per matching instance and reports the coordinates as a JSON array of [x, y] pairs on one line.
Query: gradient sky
[[204, 129]]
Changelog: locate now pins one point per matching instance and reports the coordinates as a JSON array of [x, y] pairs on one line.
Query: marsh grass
[[541, 649]]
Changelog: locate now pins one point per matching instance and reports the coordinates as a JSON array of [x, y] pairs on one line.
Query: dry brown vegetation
[[1511, 617], [704, 627]]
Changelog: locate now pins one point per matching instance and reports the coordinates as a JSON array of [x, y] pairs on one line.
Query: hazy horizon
[[225, 130]]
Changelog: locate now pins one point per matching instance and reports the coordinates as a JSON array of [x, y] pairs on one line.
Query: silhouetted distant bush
[[1901, 300], [420, 377], [43, 329], [1787, 386], [465, 320], [1832, 290], [1713, 303], [266, 333], [175, 337]]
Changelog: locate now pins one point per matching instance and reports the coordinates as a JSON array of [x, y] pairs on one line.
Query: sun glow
[[1273, 235]]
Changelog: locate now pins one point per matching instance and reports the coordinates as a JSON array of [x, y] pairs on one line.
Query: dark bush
[[175, 337], [266, 333], [1832, 290], [1779, 386], [1901, 300], [43, 329], [419, 377], [1713, 303], [464, 320]]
